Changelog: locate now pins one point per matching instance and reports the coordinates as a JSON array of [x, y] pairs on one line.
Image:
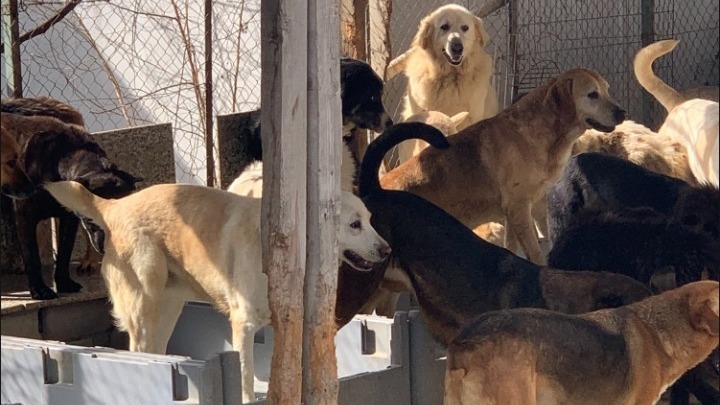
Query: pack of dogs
[[623, 306]]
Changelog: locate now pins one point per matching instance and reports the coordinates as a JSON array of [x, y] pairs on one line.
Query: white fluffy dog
[[692, 122], [172, 243], [447, 67]]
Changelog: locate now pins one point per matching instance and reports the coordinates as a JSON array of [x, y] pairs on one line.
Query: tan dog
[[14, 181], [626, 355], [693, 122], [171, 243], [446, 124], [498, 168], [447, 67]]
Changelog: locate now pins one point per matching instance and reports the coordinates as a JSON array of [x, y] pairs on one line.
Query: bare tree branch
[[42, 28]]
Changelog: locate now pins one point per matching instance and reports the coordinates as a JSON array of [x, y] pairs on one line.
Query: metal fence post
[[209, 116], [647, 36]]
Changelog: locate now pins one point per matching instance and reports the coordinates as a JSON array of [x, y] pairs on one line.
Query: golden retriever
[[498, 168], [626, 355], [693, 122], [447, 67], [172, 243]]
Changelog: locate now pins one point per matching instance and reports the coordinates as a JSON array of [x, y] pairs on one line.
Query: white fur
[[171, 243], [694, 123], [434, 84]]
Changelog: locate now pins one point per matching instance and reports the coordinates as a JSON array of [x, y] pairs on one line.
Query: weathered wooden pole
[[320, 384], [284, 133]]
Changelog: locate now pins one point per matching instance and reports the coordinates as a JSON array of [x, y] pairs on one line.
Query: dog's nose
[[619, 114], [456, 46], [385, 251]]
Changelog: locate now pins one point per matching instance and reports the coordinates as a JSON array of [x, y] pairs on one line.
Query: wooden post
[[209, 116], [284, 133], [320, 385], [10, 38]]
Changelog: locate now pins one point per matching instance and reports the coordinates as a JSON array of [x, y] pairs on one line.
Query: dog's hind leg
[[243, 340], [67, 232], [170, 310]]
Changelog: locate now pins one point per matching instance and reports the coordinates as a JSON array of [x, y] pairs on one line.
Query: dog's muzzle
[[454, 51]]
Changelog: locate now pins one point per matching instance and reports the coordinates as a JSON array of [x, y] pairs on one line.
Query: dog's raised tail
[[75, 197], [368, 180], [666, 95]]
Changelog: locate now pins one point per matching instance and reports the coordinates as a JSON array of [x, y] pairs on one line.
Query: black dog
[[601, 182], [593, 183], [68, 154], [455, 274], [361, 91], [638, 243]]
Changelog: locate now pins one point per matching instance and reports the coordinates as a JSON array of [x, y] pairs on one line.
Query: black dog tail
[[368, 180]]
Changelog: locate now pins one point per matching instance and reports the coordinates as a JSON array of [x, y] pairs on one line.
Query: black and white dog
[[361, 91]]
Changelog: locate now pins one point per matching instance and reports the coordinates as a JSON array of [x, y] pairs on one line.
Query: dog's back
[[637, 243], [597, 182], [628, 355], [43, 106]]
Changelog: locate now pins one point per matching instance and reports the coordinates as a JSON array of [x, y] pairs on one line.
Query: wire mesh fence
[[129, 62], [553, 36]]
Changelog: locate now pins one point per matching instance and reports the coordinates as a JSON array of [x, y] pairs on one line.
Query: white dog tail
[[666, 95], [75, 197]]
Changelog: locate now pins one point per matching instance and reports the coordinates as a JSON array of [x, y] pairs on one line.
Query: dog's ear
[[559, 99], [424, 37], [483, 36], [704, 312], [458, 118]]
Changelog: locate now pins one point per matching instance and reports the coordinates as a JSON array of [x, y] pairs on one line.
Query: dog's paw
[[42, 292], [67, 286]]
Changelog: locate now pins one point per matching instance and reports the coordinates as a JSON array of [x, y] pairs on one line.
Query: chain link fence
[[129, 62], [533, 41], [126, 63]]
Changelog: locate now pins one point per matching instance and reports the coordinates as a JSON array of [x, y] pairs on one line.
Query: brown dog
[[498, 168], [14, 181], [626, 355]]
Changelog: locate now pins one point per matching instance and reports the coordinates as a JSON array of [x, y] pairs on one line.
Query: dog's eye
[[464, 28], [356, 225], [445, 27], [594, 95], [11, 163]]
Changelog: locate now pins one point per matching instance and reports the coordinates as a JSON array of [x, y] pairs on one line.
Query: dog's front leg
[[520, 225], [26, 223], [243, 340], [67, 232]]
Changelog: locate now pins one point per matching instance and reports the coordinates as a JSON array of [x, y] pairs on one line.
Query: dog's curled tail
[[75, 197], [368, 180], [666, 95]]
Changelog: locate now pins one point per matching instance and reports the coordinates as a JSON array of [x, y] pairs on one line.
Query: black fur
[[593, 183], [601, 182], [54, 156], [636, 243], [455, 274], [361, 91]]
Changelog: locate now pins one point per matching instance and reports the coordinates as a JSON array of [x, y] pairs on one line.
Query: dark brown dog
[[627, 355], [64, 152], [454, 273]]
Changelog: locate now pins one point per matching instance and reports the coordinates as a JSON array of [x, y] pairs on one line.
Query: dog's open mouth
[[454, 59], [356, 261], [600, 127]]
